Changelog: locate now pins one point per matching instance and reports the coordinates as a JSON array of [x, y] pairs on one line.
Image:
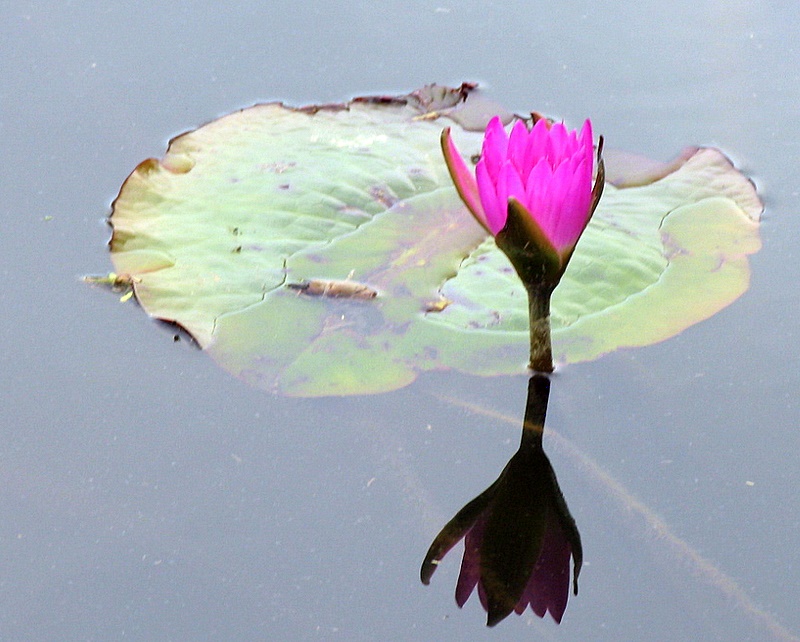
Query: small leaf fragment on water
[[338, 289], [437, 305], [114, 282]]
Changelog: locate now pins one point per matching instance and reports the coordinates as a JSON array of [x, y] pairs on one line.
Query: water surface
[[149, 495]]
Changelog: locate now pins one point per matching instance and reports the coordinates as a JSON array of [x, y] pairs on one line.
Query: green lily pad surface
[[324, 250]]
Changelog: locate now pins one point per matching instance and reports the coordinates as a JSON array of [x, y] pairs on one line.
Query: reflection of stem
[[704, 567], [539, 313], [535, 410]]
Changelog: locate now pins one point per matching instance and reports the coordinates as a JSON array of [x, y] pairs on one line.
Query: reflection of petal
[[453, 531], [548, 588], [484, 599], [471, 562]]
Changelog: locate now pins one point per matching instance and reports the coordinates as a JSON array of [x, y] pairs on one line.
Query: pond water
[[149, 495]]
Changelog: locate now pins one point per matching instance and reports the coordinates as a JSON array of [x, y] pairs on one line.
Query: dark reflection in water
[[518, 534]]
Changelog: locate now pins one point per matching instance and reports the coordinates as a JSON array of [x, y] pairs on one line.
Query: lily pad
[[324, 250]]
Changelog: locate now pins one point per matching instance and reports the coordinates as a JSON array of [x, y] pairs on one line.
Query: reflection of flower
[[533, 191], [518, 534]]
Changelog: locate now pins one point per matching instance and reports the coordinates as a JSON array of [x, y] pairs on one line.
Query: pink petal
[[565, 216], [586, 140], [538, 196], [495, 210], [576, 201], [508, 184], [537, 144], [582, 185], [517, 144], [511, 183], [462, 178], [495, 147], [557, 143]]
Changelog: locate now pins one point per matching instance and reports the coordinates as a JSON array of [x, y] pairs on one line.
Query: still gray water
[[147, 495]]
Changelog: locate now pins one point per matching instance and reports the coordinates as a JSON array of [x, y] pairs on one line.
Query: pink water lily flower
[[546, 172], [532, 190]]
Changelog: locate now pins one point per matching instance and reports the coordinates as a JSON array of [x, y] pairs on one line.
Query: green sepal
[[533, 256]]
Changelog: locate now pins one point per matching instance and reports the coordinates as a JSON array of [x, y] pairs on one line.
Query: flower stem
[[539, 313]]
